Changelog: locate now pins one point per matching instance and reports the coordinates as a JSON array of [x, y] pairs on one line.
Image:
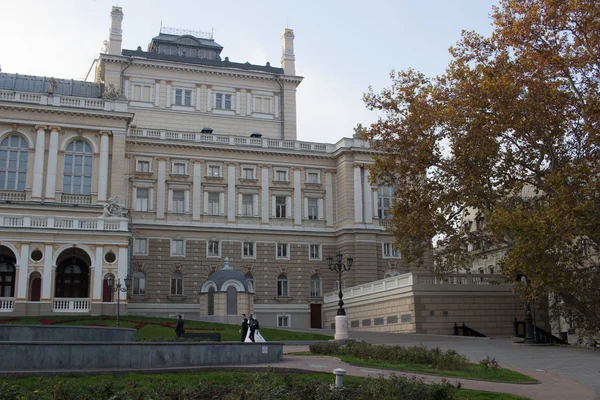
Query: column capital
[[231, 164], [41, 127], [102, 133], [263, 166], [55, 128]]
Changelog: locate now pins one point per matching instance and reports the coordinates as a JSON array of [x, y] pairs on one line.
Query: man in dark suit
[[244, 327], [179, 331]]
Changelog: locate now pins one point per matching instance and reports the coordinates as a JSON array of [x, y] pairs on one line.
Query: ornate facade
[[203, 154]]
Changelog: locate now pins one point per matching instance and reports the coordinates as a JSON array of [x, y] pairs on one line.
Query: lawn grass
[[41, 387], [473, 371], [154, 332]]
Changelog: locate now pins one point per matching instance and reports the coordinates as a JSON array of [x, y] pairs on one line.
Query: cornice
[[202, 68], [67, 111]]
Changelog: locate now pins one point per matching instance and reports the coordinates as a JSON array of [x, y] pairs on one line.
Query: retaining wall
[[28, 356]]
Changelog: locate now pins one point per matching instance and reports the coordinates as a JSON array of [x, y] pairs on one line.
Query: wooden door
[[315, 316], [36, 289]]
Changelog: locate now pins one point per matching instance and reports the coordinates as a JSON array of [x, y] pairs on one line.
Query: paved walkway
[[559, 364]]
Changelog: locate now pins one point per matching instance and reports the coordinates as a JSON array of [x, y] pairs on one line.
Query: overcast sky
[[341, 47]]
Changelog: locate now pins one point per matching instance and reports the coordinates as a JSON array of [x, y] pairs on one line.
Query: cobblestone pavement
[[581, 365]]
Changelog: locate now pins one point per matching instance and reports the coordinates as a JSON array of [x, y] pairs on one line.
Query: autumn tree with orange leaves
[[512, 130]]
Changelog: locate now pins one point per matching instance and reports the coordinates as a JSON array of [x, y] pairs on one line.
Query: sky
[[341, 47]]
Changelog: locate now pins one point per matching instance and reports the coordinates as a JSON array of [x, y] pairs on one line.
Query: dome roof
[[226, 277]]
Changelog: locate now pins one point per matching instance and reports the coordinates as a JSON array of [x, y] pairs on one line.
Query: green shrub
[[489, 364], [435, 358]]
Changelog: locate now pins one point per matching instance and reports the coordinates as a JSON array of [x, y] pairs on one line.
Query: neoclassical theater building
[[174, 160]]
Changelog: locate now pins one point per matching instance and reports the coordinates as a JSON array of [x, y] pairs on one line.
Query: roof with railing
[[43, 84]]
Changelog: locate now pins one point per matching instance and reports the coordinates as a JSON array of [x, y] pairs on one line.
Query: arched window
[[139, 283], [77, 172], [107, 290], [211, 301], [13, 163], [282, 286], [231, 300], [35, 286], [7, 279], [72, 277], [315, 286], [176, 284]]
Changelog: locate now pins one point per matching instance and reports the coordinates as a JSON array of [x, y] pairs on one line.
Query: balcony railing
[[7, 304], [71, 305], [46, 222], [76, 199], [63, 101], [230, 140], [12, 196]]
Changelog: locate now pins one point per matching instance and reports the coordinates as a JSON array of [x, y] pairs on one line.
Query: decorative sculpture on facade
[[113, 208], [52, 85], [112, 93]]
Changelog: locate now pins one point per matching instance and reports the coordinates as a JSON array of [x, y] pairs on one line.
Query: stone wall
[[37, 333]]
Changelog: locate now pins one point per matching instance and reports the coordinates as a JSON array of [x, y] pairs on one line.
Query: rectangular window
[[213, 248], [223, 101], [314, 252], [280, 211], [312, 177], [313, 208], [282, 286], [177, 247], [213, 203], [214, 171], [283, 321], [179, 168], [140, 246], [143, 166], [178, 201], [248, 173], [384, 202], [262, 105], [183, 97], [247, 205], [142, 196], [281, 175], [282, 250], [248, 249], [390, 251]]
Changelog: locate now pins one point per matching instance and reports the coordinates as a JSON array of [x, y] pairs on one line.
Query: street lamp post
[[118, 289], [341, 320]]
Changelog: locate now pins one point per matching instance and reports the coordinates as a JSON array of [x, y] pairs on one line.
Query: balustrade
[[7, 304], [71, 305]]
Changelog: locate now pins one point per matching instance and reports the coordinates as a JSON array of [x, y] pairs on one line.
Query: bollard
[[339, 373]]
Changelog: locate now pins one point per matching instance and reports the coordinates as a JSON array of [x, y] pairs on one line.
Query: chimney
[[288, 61], [116, 33]]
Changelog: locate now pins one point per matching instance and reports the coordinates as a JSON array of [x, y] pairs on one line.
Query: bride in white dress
[[253, 324]]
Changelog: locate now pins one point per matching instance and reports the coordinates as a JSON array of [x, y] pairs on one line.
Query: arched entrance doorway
[[72, 274], [35, 286], [7, 272]]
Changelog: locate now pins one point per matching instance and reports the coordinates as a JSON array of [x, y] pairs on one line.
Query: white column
[[38, 163], [221, 203], [157, 94], [103, 170], [209, 100], [231, 193], [47, 273], [276, 107], [375, 210], [358, 208], [151, 199], [21, 293], [329, 198], [255, 205], [160, 190], [186, 201], [126, 90], [52, 164], [123, 270], [170, 202], [288, 206], [240, 198], [368, 198], [197, 98], [306, 207], [168, 95], [237, 102], [196, 182], [98, 281], [297, 198], [273, 205], [264, 182], [248, 103], [320, 211]]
